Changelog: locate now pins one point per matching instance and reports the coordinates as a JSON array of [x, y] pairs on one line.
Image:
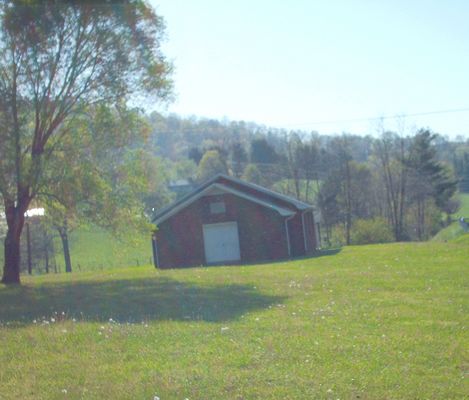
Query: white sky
[[299, 63]]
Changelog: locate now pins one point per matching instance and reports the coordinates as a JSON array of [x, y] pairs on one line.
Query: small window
[[217, 208]]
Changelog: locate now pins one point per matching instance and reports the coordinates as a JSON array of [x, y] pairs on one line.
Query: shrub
[[366, 231]]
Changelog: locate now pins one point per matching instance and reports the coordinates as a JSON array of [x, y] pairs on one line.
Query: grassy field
[[93, 248], [369, 322]]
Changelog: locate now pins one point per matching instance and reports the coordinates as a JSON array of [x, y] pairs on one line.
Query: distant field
[[454, 230], [94, 249], [368, 322]]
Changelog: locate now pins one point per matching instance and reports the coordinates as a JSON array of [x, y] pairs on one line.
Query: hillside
[[454, 230], [368, 322]]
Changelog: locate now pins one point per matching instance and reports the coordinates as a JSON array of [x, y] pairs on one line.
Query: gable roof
[[284, 205]]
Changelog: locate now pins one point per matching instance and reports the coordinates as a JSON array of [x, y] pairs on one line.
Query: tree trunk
[[46, 257], [15, 222], [63, 232]]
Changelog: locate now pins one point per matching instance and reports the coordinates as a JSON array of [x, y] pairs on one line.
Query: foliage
[[55, 59], [454, 230], [375, 322], [252, 174], [262, 152], [211, 164], [368, 231]]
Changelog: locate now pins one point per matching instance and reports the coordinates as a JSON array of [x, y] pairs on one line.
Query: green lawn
[[369, 322]]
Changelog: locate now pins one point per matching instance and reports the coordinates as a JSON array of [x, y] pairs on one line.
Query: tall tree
[[392, 152], [56, 57], [239, 158], [429, 180]]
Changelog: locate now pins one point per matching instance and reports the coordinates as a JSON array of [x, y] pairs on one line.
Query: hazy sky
[[298, 63]]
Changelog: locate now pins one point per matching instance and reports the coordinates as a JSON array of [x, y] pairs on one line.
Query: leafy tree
[[211, 164], [392, 154], [103, 174], [55, 58], [239, 158], [195, 155], [302, 159], [252, 174], [262, 152], [429, 180]]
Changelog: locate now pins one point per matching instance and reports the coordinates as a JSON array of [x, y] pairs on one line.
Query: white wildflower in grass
[[52, 320], [156, 398], [64, 391], [224, 328], [34, 321], [100, 333], [64, 331]]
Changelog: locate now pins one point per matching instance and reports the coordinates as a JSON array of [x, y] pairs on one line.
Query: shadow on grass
[[326, 252], [133, 300], [316, 254]]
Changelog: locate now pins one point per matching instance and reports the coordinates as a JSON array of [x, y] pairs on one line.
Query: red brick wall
[[310, 232], [295, 228], [261, 232]]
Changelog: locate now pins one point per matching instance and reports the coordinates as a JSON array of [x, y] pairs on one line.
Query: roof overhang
[[218, 188]]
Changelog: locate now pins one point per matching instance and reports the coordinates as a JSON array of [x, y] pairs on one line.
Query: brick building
[[226, 220]]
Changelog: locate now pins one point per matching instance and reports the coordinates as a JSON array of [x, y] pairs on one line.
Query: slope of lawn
[[369, 322], [454, 230]]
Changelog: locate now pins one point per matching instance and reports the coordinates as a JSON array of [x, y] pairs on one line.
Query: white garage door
[[221, 242]]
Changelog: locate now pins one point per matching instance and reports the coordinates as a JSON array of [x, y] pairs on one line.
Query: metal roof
[[204, 188]]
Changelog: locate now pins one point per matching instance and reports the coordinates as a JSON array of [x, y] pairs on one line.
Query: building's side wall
[[295, 228], [261, 231], [312, 243]]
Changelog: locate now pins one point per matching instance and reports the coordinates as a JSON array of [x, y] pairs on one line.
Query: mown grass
[[370, 322]]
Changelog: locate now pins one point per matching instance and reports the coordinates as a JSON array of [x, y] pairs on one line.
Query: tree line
[[385, 187]]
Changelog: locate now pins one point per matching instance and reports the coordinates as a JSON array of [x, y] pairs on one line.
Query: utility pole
[[28, 240]]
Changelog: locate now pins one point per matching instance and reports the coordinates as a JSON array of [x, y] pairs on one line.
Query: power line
[[220, 124], [454, 110]]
